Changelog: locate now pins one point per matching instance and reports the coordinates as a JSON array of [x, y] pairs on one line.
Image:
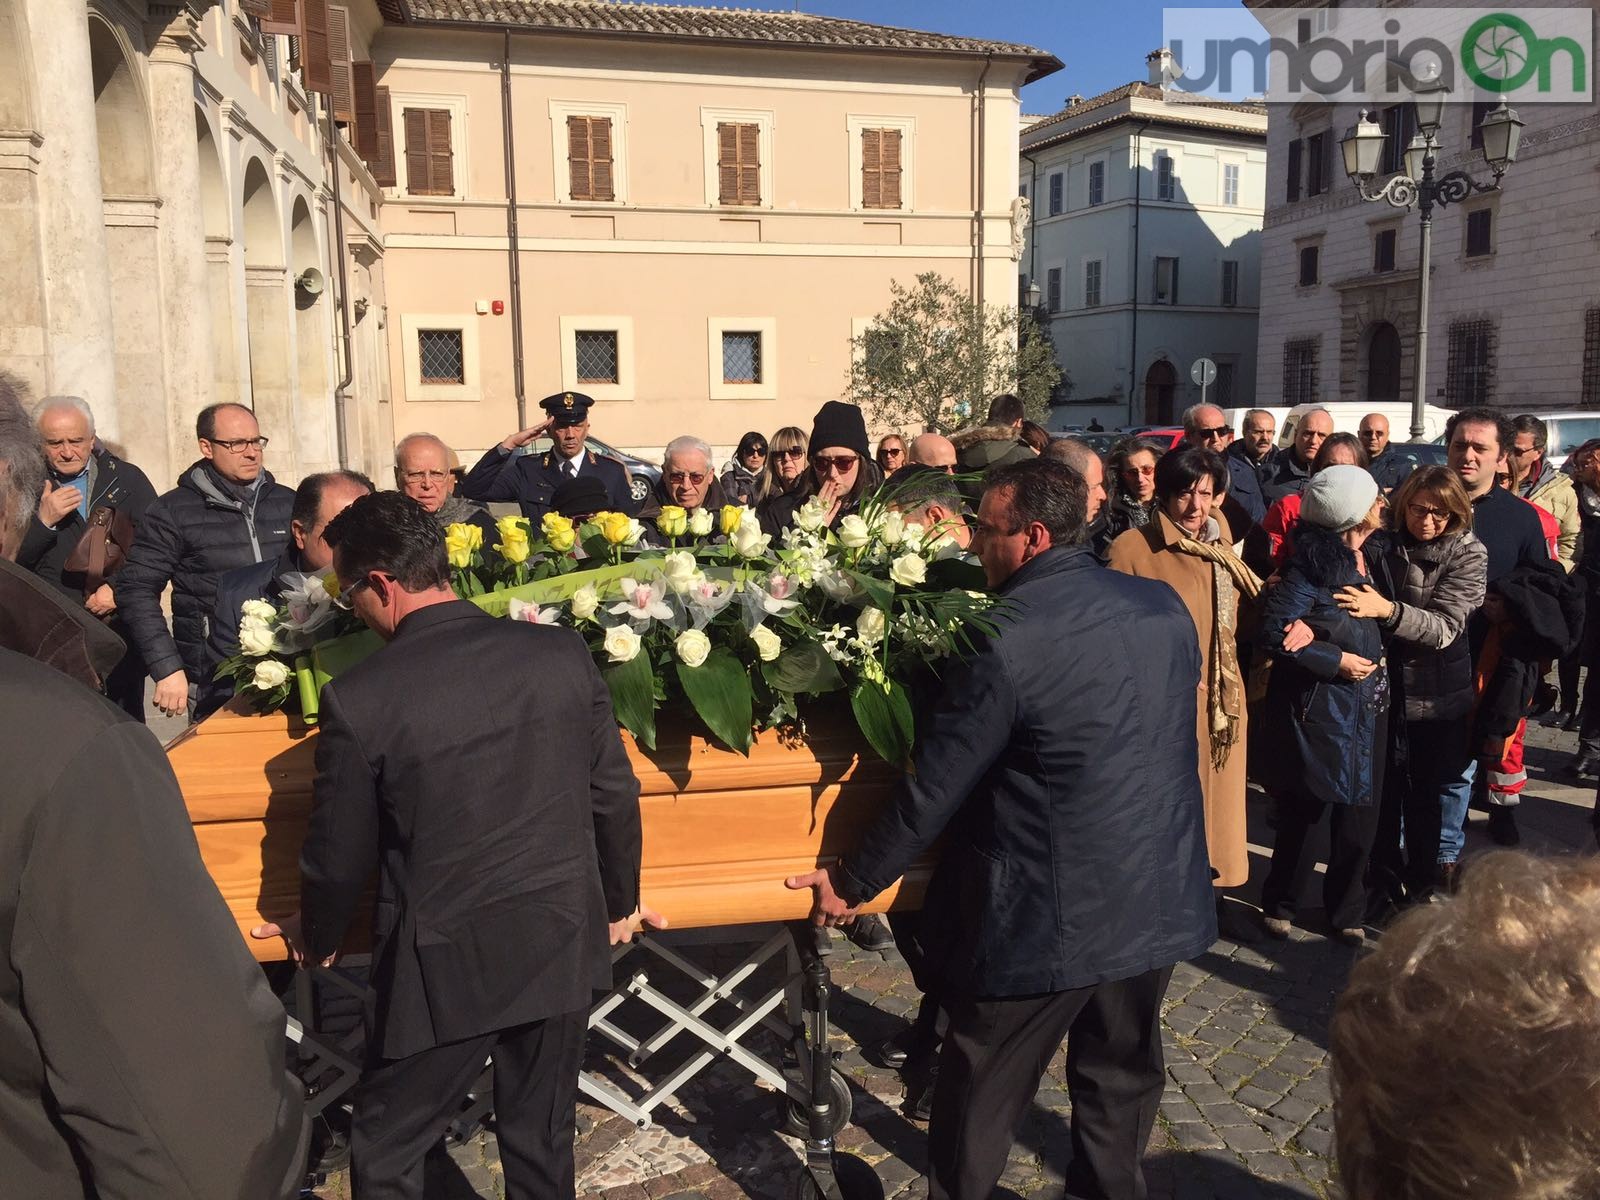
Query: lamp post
[[1363, 148]]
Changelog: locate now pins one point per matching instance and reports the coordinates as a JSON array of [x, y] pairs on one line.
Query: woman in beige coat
[[1189, 546]]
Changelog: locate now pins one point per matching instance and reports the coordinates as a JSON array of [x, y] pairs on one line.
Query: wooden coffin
[[721, 831]]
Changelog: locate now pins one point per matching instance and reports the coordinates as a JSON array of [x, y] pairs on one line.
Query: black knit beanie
[[839, 424]]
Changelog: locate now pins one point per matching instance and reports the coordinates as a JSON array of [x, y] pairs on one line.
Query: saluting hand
[[523, 436], [827, 907]]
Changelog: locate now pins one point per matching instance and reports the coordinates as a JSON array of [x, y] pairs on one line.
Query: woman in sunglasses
[[891, 454], [786, 462], [840, 469], [742, 475]]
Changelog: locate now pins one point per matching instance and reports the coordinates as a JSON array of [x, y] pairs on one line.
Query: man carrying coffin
[[507, 857], [1074, 872]]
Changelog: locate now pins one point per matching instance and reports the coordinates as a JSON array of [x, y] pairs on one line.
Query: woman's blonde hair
[[1466, 1049], [1437, 481], [768, 485]]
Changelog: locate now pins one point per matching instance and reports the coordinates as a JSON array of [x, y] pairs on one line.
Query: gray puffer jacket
[[1436, 586]]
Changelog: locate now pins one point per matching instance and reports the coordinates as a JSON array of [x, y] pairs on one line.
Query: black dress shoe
[[1544, 699], [871, 934], [1571, 722], [1580, 764], [1503, 826], [893, 1051]]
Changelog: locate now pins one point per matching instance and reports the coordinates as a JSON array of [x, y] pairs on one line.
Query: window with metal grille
[[1230, 184], [439, 354], [1300, 371], [1319, 153], [1166, 180], [1383, 246], [1469, 370], [1097, 183], [1052, 289], [1230, 282], [1226, 384], [1057, 192], [1092, 274], [1292, 170], [1166, 281], [1480, 233], [1399, 123], [595, 353], [741, 358], [1591, 357], [1310, 265]]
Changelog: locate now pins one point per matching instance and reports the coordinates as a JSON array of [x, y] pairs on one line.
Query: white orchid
[[644, 603], [307, 604], [777, 597], [706, 599], [531, 613], [622, 643]]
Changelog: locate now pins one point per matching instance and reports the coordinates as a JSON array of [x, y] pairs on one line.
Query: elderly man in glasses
[[226, 512], [423, 470], [687, 481]]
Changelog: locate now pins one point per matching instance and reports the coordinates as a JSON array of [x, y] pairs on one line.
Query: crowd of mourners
[[1372, 638]]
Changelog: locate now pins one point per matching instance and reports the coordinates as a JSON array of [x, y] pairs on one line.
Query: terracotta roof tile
[[710, 24], [1187, 107]]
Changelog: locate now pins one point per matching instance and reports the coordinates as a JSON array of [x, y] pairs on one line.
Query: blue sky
[[1102, 42]]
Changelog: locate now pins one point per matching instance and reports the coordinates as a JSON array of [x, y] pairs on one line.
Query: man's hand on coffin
[[623, 930], [827, 908], [288, 928]]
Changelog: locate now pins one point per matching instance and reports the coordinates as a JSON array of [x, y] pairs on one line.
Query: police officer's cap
[[567, 408]]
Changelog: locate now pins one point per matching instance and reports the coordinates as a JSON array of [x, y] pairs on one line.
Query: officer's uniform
[[531, 479]]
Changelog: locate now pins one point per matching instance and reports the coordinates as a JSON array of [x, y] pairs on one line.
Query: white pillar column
[[185, 308], [81, 353]]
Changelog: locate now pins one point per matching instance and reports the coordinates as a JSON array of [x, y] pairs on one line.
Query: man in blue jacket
[[1206, 426], [1061, 770]]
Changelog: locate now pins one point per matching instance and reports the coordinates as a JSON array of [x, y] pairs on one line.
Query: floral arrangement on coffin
[[719, 621], [274, 641]]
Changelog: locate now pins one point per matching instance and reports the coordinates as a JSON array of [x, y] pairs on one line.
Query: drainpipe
[[348, 370], [1133, 341], [511, 235], [978, 99]]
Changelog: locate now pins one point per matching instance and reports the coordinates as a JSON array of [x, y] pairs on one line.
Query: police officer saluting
[[531, 479]]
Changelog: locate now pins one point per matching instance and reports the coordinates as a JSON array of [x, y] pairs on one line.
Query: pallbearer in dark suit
[[531, 479], [503, 821]]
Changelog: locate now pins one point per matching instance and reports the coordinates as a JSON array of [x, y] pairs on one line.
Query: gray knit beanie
[[1338, 498]]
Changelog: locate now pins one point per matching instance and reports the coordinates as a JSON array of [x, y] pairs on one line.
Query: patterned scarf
[[1225, 699]]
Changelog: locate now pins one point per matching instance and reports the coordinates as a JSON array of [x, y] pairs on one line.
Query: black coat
[[190, 536], [141, 1052], [1319, 736], [1061, 769], [1544, 620], [503, 820], [45, 548], [531, 480], [1286, 476]]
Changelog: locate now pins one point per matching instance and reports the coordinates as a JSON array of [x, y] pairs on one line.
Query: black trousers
[[1351, 828], [928, 1027], [1429, 756], [403, 1106], [994, 1055]]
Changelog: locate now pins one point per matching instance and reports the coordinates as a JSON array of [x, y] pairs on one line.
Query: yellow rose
[[731, 515], [513, 545], [673, 521], [617, 528], [554, 522], [461, 542], [562, 540]]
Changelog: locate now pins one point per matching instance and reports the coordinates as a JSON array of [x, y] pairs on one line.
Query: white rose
[[259, 609], [692, 647], [679, 571], [853, 532], [768, 644], [747, 539], [585, 602], [908, 570], [622, 643], [635, 532], [892, 528], [836, 585], [871, 625], [270, 673], [811, 515], [700, 522], [255, 637]]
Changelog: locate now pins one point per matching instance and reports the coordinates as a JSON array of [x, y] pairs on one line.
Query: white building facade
[[1145, 245], [1515, 312]]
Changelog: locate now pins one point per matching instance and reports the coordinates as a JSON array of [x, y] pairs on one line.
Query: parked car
[[1347, 416], [643, 475], [1567, 431]]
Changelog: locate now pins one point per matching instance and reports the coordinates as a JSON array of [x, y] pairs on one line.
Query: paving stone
[[1247, 1137], [1316, 1141], [1294, 1110], [1255, 1097]]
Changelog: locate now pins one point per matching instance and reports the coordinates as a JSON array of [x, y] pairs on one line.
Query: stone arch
[[122, 118], [261, 229], [214, 206], [216, 216], [1160, 392], [313, 404], [1382, 362], [16, 72], [269, 345]]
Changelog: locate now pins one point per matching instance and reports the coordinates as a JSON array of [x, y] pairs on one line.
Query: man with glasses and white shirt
[[226, 512], [502, 475]]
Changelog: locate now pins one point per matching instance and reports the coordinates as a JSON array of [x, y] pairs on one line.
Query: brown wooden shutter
[[601, 158], [441, 162], [316, 58], [889, 166], [283, 17], [343, 94], [871, 174], [727, 163], [259, 9], [382, 161], [749, 164], [416, 122], [364, 89], [589, 160]]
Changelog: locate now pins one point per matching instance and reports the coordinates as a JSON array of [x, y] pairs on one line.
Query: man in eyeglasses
[[503, 475], [687, 481], [1205, 426], [422, 471], [226, 512]]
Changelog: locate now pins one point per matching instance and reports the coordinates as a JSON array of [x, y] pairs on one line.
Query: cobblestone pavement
[[1245, 1116]]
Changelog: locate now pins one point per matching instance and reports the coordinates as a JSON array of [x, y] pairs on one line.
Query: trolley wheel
[[856, 1180], [797, 1118]]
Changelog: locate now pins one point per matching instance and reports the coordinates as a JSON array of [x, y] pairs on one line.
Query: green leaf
[[879, 591], [804, 667], [885, 720], [633, 687], [719, 689]]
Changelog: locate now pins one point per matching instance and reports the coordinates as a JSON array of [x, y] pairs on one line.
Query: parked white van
[[1347, 419]]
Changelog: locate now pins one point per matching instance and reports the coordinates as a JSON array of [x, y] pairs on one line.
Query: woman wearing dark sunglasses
[[786, 462], [839, 469], [742, 475]]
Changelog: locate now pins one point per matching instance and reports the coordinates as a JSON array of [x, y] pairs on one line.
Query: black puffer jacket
[[203, 527]]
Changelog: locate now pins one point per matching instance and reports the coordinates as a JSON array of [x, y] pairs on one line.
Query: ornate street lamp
[[1419, 187]]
